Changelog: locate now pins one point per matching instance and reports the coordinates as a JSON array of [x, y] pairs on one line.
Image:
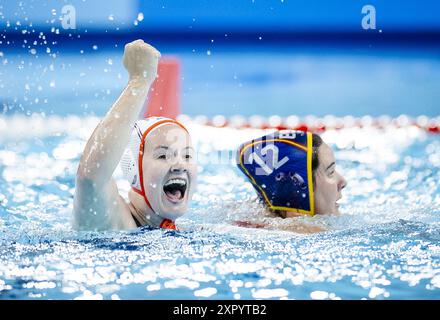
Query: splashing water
[[384, 245]]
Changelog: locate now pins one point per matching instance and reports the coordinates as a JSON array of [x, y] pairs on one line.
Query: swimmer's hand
[[141, 60], [248, 224], [303, 228], [293, 226]]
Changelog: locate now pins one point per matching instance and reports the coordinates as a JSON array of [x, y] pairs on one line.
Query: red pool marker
[[434, 129], [164, 97], [302, 127]]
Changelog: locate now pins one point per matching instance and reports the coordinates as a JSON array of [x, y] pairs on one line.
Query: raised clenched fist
[[141, 60]]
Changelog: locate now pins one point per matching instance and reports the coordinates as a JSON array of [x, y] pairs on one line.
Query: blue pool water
[[385, 245]]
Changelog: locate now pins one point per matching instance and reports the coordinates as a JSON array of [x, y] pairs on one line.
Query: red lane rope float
[[315, 124]]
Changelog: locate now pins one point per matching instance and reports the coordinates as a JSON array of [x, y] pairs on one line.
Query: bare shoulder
[[99, 207]]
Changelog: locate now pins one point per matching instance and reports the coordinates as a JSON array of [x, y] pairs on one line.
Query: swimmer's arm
[[300, 227], [294, 226], [102, 209], [107, 143]]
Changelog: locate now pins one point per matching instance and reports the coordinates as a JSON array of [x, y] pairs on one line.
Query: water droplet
[[95, 47], [33, 51], [208, 52], [111, 17], [140, 16]]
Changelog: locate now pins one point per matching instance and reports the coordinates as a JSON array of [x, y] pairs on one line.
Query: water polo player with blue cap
[[156, 157], [293, 172]]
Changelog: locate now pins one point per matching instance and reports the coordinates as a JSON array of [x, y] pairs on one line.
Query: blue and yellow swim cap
[[279, 166]]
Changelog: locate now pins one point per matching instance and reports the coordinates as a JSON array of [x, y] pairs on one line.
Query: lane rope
[[315, 124]]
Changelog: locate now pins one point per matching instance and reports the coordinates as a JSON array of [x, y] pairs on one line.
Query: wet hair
[[317, 142]]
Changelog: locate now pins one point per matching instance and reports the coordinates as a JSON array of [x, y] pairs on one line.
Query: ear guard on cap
[[279, 166], [130, 159]]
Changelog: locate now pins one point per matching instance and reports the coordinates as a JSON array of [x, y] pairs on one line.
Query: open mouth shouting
[[175, 189]]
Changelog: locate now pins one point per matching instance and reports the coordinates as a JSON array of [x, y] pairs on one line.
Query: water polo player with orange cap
[[293, 172], [159, 161]]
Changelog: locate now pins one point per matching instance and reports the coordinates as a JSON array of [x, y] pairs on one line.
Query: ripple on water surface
[[384, 245]]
